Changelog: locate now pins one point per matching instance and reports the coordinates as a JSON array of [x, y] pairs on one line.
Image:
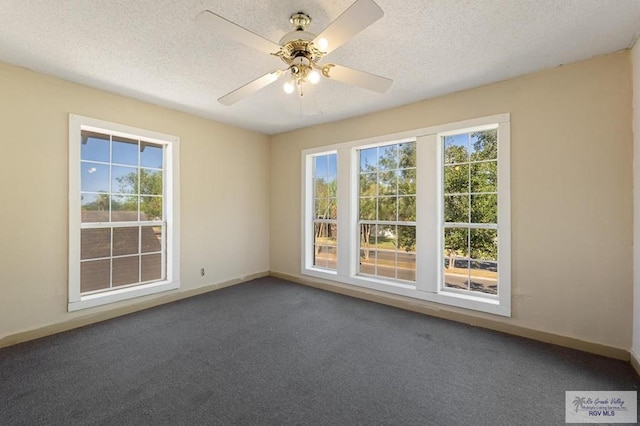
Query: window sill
[[471, 302], [99, 299]]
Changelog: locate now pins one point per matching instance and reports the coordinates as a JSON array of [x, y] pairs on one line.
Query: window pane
[[368, 160], [484, 208], [320, 167], [407, 155], [484, 145], [94, 177], [332, 188], [406, 266], [151, 267], [319, 256], [387, 208], [333, 208], [332, 234], [368, 262], [407, 181], [124, 180], [332, 257], [125, 240], [151, 182], [321, 188], [151, 239], [407, 209], [367, 208], [320, 231], [484, 244], [94, 207], [367, 248], [484, 177], [456, 148], [457, 275], [321, 208], [456, 208], [124, 208], [94, 146], [388, 183], [406, 253], [124, 151], [368, 184], [125, 270], [151, 155], [386, 244], [406, 238], [95, 275], [386, 265], [484, 277], [456, 179], [388, 157], [324, 245], [95, 243], [333, 165], [456, 244], [150, 208]]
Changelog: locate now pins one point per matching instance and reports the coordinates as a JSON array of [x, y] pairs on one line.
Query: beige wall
[[571, 180], [571, 193], [224, 195]]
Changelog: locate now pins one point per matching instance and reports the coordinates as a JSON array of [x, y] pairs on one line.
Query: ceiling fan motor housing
[[298, 43], [300, 21]]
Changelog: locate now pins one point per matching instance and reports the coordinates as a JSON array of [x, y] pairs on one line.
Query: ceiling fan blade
[[250, 88], [218, 24], [357, 78], [356, 18]]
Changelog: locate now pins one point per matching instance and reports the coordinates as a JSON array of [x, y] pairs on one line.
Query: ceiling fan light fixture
[[288, 87], [313, 77], [323, 43]]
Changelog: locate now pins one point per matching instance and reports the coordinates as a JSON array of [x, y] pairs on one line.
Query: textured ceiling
[[152, 50]]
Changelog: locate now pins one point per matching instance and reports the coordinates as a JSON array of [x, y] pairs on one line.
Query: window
[[470, 203], [123, 212], [387, 211], [321, 212], [325, 227], [423, 214]]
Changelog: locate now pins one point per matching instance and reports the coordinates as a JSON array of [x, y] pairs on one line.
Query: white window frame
[[309, 218], [375, 221], [311, 209], [78, 301], [429, 218]]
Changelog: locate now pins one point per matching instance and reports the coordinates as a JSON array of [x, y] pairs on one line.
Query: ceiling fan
[[302, 51]]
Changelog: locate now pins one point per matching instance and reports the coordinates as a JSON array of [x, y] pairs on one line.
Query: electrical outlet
[[202, 272]]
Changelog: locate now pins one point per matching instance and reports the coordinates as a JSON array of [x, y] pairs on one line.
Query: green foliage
[[470, 186], [150, 182], [387, 192], [150, 200], [326, 205], [100, 204]]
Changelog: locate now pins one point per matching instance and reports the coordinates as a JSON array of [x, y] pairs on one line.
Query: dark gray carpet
[[273, 352]]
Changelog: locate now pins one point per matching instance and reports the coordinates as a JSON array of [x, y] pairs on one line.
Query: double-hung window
[[325, 211], [424, 214], [387, 211], [122, 212], [321, 212], [470, 210]]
